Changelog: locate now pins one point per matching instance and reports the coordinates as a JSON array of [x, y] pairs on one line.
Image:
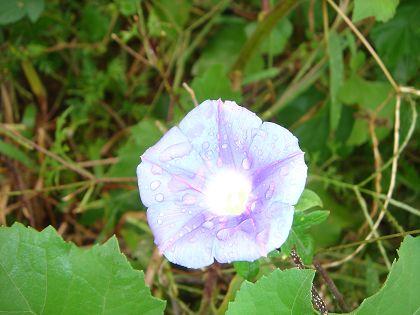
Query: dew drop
[[159, 221], [175, 151], [270, 191], [156, 170], [154, 185], [189, 212], [159, 197], [253, 205], [223, 235], [246, 164], [188, 199], [208, 224], [205, 145]]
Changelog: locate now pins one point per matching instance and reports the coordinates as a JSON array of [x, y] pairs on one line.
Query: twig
[[209, 288], [367, 45], [317, 301], [191, 92], [331, 285], [29, 143]]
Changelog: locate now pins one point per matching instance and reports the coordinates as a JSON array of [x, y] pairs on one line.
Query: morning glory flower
[[221, 186]]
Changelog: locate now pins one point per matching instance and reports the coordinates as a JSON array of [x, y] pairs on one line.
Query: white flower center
[[227, 192]]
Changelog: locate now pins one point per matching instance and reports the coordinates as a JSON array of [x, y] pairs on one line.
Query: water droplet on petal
[[183, 210], [224, 145], [159, 221], [223, 235], [175, 151], [156, 170], [253, 205], [208, 224], [188, 199], [189, 212], [154, 185], [159, 197], [205, 145], [270, 191], [246, 164]]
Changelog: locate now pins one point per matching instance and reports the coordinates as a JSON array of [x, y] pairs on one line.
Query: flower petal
[[221, 132], [279, 168]]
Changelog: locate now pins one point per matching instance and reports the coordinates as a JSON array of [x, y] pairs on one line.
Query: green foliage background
[[87, 86]]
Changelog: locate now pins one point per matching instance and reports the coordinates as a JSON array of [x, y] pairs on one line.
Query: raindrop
[[175, 151], [253, 205], [205, 145], [156, 170], [155, 185], [188, 199], [270, 191], [159, 221], [246, 164], [189, 212], [159, 197], [223, 235], [208, 224]]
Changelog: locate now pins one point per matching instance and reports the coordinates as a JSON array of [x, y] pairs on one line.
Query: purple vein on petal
[[260, 174], [221, 127], [189, 227], [176, 177]]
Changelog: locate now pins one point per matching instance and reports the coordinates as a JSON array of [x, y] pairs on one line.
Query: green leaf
[[304, 220], [281, 292], [223, 47], [42, 274], [399, 294], [335, 53], [13, 10], [214, 84], [247, 270], [382, 10], [303, 243], [307, 200], [16, 154], [278, 38], [397, 41], [34, 9], [143, 135]]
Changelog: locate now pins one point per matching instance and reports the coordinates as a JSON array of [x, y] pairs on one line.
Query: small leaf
[[16, 154], [214, 84], [281, 292], [302, 241], [247, 270], [335, 53], [382, 10], [304, 220], [42, 274], [399, 294], [307, 200], [34, 9]]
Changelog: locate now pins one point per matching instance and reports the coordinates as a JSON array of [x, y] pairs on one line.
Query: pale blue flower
[[221, 185]]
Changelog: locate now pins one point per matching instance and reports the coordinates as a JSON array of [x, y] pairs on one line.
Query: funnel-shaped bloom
[[221, 185]]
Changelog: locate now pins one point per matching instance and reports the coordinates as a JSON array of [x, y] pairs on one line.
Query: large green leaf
[[400, 293], [281, 292], [42, 274], [14, 10], [382, 10]]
